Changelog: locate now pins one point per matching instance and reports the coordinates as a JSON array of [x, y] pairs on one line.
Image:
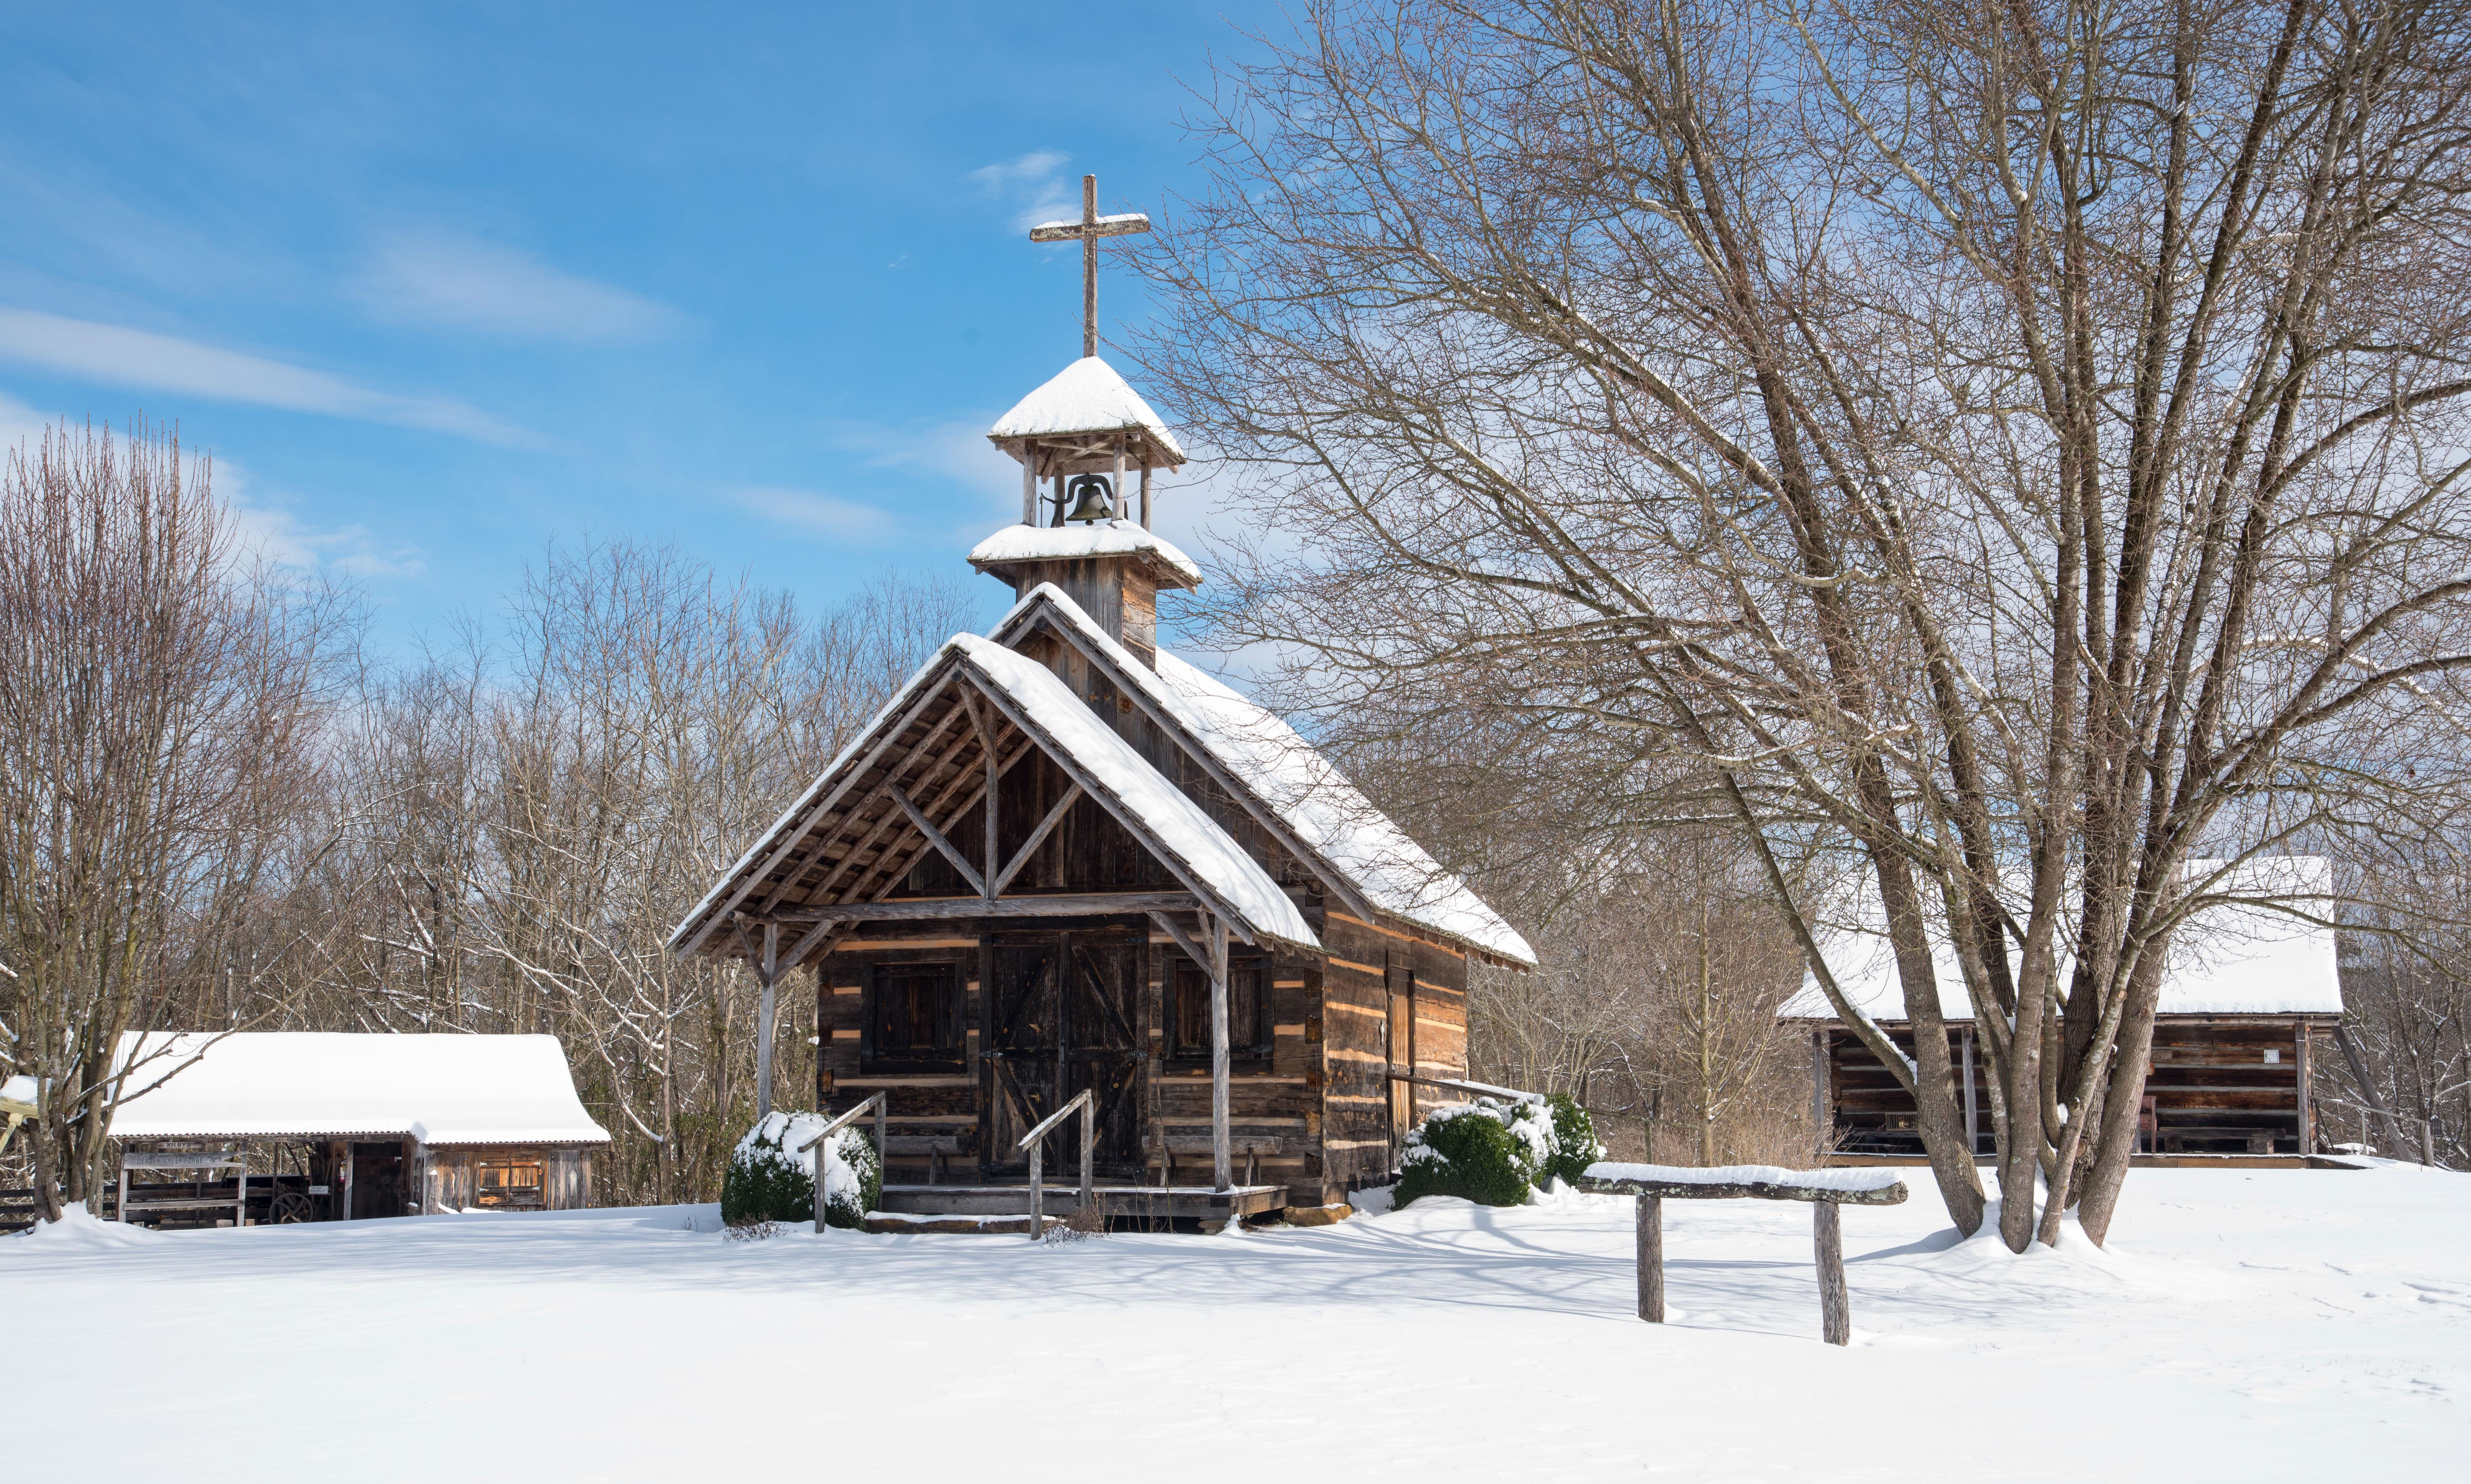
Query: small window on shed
[[1248, 1011], [913, 1014], [511, 1182]]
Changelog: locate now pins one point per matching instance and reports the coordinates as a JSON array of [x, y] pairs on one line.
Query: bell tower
[[1080, 439]]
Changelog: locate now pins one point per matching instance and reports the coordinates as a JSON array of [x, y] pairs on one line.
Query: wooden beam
[[1238, 791], [1191, 949], [771, 978], [924, 750], [1133, 826], [949, 800], [720, 911], [814, 943], [1110, 904], [1030, 847], [936, 838], [987, 757], [1221, 1157]]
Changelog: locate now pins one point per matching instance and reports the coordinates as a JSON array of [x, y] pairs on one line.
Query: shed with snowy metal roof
[[319, 1125]]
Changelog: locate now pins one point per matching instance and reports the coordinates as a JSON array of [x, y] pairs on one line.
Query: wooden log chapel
[[1063, 859]]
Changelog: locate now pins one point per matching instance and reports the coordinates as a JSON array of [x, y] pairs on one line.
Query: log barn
[[1063, 859], [283, 1126], [2250, 997]]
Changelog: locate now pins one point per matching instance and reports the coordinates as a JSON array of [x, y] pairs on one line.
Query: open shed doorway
[[377, 1180]]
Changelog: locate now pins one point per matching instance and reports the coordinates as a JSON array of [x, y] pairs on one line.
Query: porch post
[[1972, 1106], [771, 973], [1220, 1153]]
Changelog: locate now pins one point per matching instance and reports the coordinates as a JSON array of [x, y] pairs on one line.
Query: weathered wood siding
[[2220, 1084]]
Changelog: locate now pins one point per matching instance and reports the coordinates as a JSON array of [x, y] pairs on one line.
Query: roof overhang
[[910, 782]]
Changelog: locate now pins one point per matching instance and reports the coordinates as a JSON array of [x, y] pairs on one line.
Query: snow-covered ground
[[2248, 1326]]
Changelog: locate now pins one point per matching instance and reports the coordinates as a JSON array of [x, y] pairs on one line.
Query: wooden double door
[[1064, 1015]]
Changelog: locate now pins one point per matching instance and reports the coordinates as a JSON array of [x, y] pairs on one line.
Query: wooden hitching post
[[1651, 1258], [1835, 1307]]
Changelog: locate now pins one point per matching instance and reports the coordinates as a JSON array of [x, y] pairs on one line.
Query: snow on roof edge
[[1087, 396], [1021, 542], [1179, 824], [1496, 937], [438, 1088]]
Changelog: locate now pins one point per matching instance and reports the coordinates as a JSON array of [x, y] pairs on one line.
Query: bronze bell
[[1092, 499]]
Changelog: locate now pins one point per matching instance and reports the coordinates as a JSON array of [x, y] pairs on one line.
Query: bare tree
[[159, 704], [2017, 448], [519, 818]]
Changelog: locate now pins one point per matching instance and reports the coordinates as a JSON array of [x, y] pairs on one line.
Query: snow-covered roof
[[1087, 396], [1329, 816], [1082, 744], [1109, 763], [2238, 957], [437, 1089], [1096, 538]]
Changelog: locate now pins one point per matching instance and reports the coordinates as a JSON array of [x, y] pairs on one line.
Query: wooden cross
[[1089, 229]]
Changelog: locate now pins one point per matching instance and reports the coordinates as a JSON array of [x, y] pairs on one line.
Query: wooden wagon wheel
[[291, 1207]]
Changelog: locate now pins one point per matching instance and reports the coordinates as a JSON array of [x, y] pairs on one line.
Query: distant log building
[[2250, 998]]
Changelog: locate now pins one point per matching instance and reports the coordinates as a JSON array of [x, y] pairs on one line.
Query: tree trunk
[[1938, 1119], [2099, 1199]]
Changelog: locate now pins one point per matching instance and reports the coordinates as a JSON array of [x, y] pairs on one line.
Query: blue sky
[[442, 285]]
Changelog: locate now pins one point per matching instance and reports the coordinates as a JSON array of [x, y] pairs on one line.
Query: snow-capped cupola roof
[[1015, 544], [1086, 398], [437, 1089]]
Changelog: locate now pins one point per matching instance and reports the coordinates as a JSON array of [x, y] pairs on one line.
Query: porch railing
[[1457, 1085], [1035, 1141], [873, 1100]]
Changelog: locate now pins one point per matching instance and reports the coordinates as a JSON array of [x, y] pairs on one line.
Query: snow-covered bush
[[1575, 1146], [1478, 1151], [769, 1180], [1493, 1152]]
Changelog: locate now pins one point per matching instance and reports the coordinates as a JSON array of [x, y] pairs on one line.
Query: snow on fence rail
[[1825, 1190], [1859, 1186]]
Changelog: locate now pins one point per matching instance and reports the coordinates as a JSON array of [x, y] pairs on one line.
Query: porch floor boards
[[1199, 1202]]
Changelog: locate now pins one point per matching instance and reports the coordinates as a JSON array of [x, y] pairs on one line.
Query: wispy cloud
[[454, 282], [266, 530], [122, 356], [1034, 185], [279, 536], [19, 424], [956, 450], [823, 515]]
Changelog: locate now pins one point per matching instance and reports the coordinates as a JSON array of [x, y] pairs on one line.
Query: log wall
[[2220, 1084]]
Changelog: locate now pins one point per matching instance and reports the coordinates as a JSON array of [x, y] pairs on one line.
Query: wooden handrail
[[875, 1100], [1080, 1100], [1035, 1141], [1480, 1088]]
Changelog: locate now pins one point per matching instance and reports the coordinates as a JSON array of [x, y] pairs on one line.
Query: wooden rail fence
[[1825, 1190]]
